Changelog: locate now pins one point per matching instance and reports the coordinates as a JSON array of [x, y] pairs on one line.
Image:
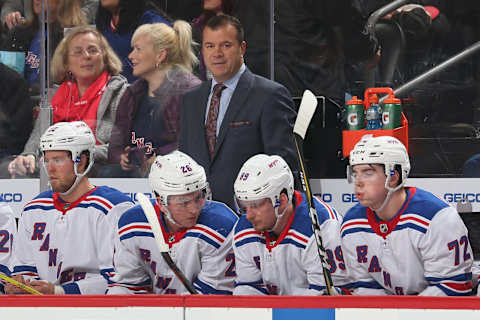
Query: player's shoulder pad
[[217, 216], [132, 215], [112, 195], [356, 212], [424, 203], [42, 201], [243, 224]]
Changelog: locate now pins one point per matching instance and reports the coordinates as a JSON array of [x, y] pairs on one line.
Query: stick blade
[[308, 105], [153, 221]]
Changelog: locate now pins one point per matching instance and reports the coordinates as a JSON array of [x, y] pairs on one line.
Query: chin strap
[[389, 194], [78, 178], [278, 215]]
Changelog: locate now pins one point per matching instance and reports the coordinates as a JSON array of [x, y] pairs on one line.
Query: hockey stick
[[162, 246], [19, 284], [304, 116]]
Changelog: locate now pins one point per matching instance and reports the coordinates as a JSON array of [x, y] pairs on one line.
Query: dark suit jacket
[[259, 119]]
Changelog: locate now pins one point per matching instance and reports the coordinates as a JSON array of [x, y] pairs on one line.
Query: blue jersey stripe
[[71, 288], [248, 240], [136, 234], [460, 277], [295, 243], [358, 229], [41, 207], [18, 269], [194, 234], [207, 289], [410, 226], [449, 292], [4, 270], [257, 285], [94, 205], [363, 284]]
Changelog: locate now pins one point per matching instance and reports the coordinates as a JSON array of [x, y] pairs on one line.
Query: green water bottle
[[355, 114], [392, 113]]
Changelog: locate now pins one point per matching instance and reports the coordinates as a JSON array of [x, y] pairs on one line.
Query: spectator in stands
[[16, 122], [148, 117], [91, 88], [118, 19], [27, 37], [235, 115], [15, 12], [210, 8]]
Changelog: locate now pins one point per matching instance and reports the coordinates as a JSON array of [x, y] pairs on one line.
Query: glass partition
[[317, 45]]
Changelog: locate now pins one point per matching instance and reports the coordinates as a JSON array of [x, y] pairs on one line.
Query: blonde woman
[[91, 87], [147, 122]]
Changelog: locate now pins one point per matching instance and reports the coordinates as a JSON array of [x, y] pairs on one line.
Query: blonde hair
[[70, 14], [177, 41], [59, 62]]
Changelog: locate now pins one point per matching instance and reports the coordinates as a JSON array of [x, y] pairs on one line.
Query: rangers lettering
[[145, 254], [52, 257], [362, 254], [38, 230]]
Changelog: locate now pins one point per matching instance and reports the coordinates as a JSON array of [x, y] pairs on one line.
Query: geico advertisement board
[[458, 192]]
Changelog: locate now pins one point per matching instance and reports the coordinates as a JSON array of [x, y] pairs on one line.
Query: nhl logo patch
[[383, 228], [171, 238]]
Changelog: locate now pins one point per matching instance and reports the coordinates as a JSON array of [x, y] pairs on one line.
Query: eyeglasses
[[55, 161], [197, 199], [91, 51], [363, 175], [253, 204]]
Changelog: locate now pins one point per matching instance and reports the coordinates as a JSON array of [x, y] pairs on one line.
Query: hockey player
[[8, 229], [275, 249], [401, 240], [64, 242], [198, 231]]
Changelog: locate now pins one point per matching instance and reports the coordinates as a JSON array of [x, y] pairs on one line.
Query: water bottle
[[374, 114], [355, 114], [392, 113]]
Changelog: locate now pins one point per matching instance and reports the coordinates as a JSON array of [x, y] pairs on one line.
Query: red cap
[[354, 100]]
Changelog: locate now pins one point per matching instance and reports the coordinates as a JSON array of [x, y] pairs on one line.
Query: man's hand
[[12, 289], [14, 18], [22, 165], [43, 286]]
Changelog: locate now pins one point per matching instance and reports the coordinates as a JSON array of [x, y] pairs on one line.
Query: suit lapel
[[237, 102]]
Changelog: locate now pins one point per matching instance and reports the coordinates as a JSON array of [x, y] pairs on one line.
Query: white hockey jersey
[[423, 250], [69, 244], [289, 265], [203, 253], [8, 229]]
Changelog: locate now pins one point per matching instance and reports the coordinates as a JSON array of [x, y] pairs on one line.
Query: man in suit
[[236, 115]]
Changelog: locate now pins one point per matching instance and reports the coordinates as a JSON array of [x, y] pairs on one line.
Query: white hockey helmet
[[176, 174], [385, 150], [75, 137], [264, 176]]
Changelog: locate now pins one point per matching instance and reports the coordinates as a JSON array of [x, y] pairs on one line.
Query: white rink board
[[405, 314], [336, 192], [179, 313], [63, 313]]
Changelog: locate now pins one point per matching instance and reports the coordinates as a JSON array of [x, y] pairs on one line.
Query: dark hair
[[131, 11], [223, 20]]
